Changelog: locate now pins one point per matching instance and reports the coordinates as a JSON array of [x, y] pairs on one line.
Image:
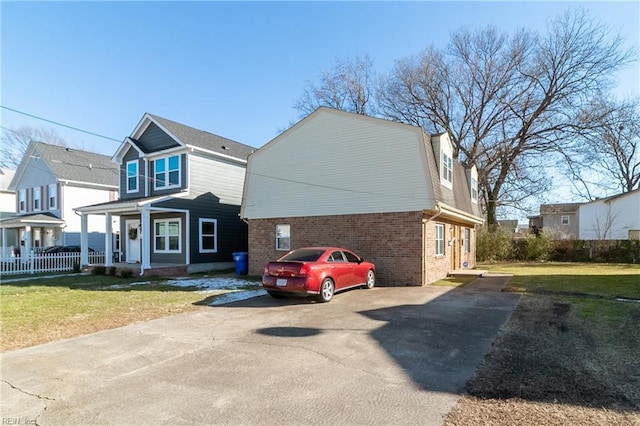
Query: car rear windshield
[[304, 255]]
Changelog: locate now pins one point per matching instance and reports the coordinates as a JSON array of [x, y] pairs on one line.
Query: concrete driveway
[[380, 356]]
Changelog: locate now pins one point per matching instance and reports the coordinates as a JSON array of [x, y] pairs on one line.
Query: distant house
[[559, 220], [49, 183], [387, 190], [7, 208], [180, 194], [612, 218]]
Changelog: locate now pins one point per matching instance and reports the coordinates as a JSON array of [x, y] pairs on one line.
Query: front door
[[133, 244], [455, 248]]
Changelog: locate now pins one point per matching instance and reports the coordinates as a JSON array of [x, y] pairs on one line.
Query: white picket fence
[[42, 262]]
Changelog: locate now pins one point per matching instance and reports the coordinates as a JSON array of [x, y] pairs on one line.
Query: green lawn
[[606, 280], [43, 310]]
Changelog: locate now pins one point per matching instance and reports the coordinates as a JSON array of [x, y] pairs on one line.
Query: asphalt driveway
[[380, 356]]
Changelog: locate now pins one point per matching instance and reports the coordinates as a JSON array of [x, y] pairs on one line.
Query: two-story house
[[387, 190], [7, 209], [611, 218], [49, 183], [180, 195], [560, 221]]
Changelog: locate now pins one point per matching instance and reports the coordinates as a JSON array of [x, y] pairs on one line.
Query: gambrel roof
[[70, 164], [334, 162]]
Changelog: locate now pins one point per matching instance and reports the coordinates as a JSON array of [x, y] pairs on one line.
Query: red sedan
[[318, 271]]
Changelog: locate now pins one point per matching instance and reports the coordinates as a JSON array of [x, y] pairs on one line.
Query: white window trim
[[167, 185], [562, 218], [37, 197], [134, 162], [474, 190], [278, 237], [437, 246], [166, 243], [22, 201], [443, 178], [215, 235], [53, 187]]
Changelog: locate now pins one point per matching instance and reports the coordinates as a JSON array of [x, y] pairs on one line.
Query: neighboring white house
[[612, 218], [7, 204], [49, 183]]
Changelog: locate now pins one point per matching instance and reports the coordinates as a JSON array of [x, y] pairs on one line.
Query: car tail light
[[304, 270], [266, 269]]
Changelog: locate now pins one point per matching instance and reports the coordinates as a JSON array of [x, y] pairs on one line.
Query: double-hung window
[[132, 176], [447, 167], [53, 195], [167, 236], [23, 200], [474, 190], [564, 219], [439, 239], [283, 237], [37, 200], [167, 172], [208, 235]]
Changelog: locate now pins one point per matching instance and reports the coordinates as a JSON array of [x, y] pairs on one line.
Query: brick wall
[[393, 241]]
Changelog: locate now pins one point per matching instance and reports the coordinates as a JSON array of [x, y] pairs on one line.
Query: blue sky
[[231, 68]]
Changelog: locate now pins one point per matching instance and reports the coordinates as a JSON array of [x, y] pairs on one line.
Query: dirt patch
[[550, 366]]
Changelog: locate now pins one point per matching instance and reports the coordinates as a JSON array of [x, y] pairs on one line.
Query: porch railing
[[42, 262]]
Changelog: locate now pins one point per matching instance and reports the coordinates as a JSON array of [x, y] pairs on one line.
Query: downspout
[[424, 230]]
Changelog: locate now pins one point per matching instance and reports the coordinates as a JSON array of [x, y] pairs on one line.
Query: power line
[[59, 124]]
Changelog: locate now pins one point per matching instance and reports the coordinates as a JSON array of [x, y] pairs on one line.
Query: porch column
[[84, 240], [5, 252], [108, 241], [145, 240], [26, 253]]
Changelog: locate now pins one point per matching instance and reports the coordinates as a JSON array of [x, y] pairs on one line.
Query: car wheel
[[371, 279], [326, 290], [275, 294]]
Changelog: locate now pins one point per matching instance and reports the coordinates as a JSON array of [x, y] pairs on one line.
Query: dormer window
[[474, 190], [132, 176], [447, 168], [167, 172]]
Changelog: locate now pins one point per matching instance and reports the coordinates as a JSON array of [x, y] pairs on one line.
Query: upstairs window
[[23, 200], [132, 176], [37, 200], [447, 168], [167, 172], [53, 195], [474, 190]]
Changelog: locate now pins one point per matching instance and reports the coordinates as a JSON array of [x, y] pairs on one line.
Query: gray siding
[[155, 139], [222, 179], [232, 232], [131, 155]]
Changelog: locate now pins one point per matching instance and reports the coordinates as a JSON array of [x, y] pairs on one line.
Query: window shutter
[[45, 196], [29, 206]]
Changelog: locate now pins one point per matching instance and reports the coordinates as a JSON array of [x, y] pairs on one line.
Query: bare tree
[[606, 153], [16, 141], [508, 102], [347, 86]]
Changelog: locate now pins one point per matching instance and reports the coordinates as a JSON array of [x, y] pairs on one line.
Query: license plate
[[281, 282]]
